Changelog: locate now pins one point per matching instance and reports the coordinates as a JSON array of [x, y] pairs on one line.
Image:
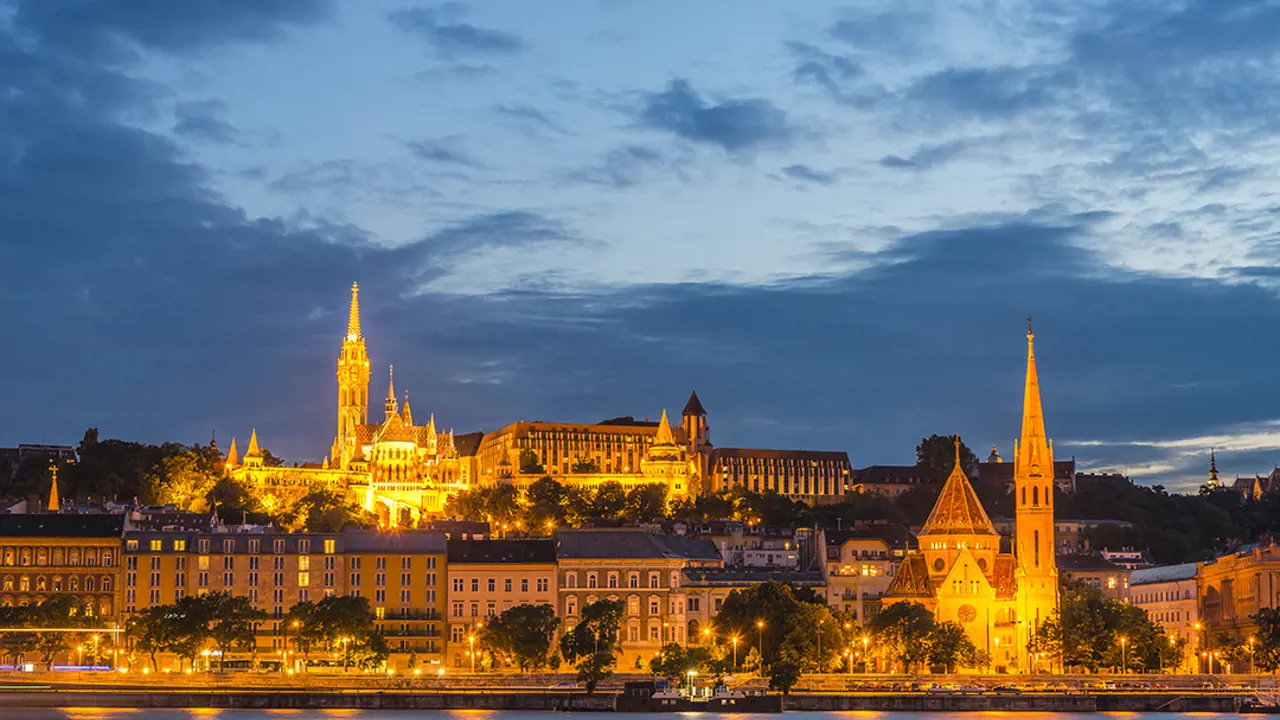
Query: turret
[[1214, 483], [353, 385], [233, 457], [253, 456], [55, 505], [408, 412], [390, 405]]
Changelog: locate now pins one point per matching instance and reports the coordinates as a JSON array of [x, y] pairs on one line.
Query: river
[[202, 714]]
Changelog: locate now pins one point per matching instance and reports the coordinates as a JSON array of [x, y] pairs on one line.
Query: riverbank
[[604, 701]]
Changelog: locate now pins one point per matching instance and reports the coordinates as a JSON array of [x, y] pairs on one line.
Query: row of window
[[41, 583], [459, 584], [228, 545], [70, 557]]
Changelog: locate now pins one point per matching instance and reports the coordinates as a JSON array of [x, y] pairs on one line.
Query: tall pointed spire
[[664, 436], [392, 407], [54, 504], [254, 451], [1213, 469], [408, 412], [1034, 454], [958, 510], [233, 455], [353, 319]]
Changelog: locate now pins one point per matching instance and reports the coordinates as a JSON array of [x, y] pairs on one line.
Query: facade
[[1168, 595], [887, 480], [639, 568], [706, 589], [489, 577], [1094, 569], [401, 574], [860, 565], [1234, 587], [43, 555], [959, 571], [812, 476]]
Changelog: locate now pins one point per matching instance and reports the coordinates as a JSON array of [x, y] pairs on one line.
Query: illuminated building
[[487, 578], [43, 555], [960, 573], [1168, 595]]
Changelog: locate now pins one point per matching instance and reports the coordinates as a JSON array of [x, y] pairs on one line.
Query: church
[[961, 574]]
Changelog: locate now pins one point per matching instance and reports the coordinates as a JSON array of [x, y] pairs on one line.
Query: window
[[492, 585], [380, 579], [431, 563], [380, 563], [653, 581], [633, 633], [506, 585], [405, 597], [380, 597], [130, 545], [571, 606], [633, 580], [543, 584], [329, 546], [304, 562], [304, 579], [694, 604], [653, 606], [406, 563], [457, 584], [571, 580], [591, 580], [524, 585], [203, 562], [653, 633], [203, 545], [633, 605], [228, 546], [304, 547], [475, 584], [613, 580], [492, 609], [406, 579], [457, 609], [475, 609]]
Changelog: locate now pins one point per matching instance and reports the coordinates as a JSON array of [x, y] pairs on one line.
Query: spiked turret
[[54, 504], [353, 316], [1034, 454], [408, 412], [233, 455], [1214, 482], [664, 436], [391, 406], [254, 451], [958, 510]]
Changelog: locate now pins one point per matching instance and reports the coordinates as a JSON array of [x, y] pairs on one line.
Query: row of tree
[[51, 628], [218, 623]]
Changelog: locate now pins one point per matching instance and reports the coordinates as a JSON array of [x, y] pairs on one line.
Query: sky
[[829, 219]]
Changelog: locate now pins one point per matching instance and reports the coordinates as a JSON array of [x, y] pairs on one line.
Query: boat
[[649, 696]]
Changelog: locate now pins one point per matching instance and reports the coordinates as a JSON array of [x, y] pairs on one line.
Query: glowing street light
[[735, 652], [1124, 646], [760, 627], [471, 640]]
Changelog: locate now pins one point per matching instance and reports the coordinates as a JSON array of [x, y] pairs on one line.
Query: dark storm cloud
[[734, 125], [200, 121], [449, 37]]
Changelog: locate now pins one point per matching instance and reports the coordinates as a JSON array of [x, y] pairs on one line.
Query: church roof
[[663, 436], [468, 443], [958, 510], [1003, 575], [394, 430], [912, 579]]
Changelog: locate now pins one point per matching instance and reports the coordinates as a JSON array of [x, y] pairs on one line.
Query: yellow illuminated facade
[[960, 573]]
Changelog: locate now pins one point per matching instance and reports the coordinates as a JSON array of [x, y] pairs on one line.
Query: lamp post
[[760, 627], [471, 640], [692, 674], [865, 639], [1124, 646], [735, 653], [1200, 649], [1251, 641]]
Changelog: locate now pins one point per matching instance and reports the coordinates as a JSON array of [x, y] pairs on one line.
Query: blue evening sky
[[829, 219]]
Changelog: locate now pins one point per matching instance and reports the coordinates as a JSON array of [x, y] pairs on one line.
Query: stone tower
[[1033, 478], [353, 386]]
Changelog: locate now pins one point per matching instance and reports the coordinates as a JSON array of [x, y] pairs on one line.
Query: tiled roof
[[1164, 573], [958, 510], [422, 541], [888, 474], [892, 534], [478, 552], [54, 525], [912, 579], [631, 543], [468, 444], [694, 406], [1003, 575], [1086, 563], [763, 454]]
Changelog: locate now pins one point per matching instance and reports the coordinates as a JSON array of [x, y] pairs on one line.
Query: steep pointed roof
[[353, 318], [1213, 468], [664, 436], [1034, 455], [54, 504], [694, 406], [233, 455], [912, 579], [958, 510], [254, 451], [407, 412]]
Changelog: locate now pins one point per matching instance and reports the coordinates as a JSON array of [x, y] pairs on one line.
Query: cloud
[[927, 156], [530, 117], [108, 30], [449, 37], [735, 125], [200, 121], [443, 150], [624, 167], [806, 174]]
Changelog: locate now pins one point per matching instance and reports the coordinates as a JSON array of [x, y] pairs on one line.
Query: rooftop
[[54, 525], [484, 552], [631, 543], [1164, 573]]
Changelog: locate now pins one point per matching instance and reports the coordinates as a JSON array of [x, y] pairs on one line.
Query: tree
[[597, 632], [467, 505], [324, 510], [902, 631], [1266, 651], [672, 662], [936, 457], [233, 622], [186, 480], [783, 675], [59, 611], [594, 667], [1091, 632], [524, 632], [609, 501], [949, 646], [530, 464], [503, 504], [645, 503], [815, 640], [545, 500]]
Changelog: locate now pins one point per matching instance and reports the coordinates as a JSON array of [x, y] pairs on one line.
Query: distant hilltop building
[[405, 471]]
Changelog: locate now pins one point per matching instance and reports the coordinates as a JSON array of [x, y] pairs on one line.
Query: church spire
[[54, 505], [233, 455], [353, 318], [253, 451], [408, 413], [1213, 469], [392, 407], [1034, 451]]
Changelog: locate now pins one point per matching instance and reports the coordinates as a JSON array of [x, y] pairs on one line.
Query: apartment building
[[43, 555], [489, 577], [861, 563]]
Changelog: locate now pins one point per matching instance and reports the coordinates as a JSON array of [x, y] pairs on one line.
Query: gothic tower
[[1033, 495], [353, 386]]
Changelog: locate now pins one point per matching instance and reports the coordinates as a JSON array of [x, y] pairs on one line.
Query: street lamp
[[760, 627], [1124, 646], [471, 640], [735, 653], [692, 674], [1251, 641], [865, 639]]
